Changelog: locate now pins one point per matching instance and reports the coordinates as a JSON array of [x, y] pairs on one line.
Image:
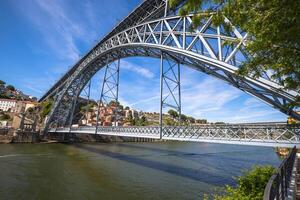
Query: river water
[[163, 170]]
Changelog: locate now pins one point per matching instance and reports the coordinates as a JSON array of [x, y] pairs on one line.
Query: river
[[162, 170]]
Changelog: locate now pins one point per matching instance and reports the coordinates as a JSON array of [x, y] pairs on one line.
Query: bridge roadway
[[257, 134]]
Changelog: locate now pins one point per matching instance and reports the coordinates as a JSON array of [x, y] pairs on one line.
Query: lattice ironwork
[[276, 135], [86, 94], [110, 88], [209, 49], [170, 85]]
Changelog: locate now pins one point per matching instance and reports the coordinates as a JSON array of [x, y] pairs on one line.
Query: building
[[30, 104], [19, 107], [7, 104], [15, 106], [131, 113]]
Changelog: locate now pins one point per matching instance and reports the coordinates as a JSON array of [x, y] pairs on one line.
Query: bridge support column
[[110, 89], [170, 90], [86, 93]]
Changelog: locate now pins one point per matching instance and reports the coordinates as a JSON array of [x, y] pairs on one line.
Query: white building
[[133, 113], [6, 104], [15, 106]]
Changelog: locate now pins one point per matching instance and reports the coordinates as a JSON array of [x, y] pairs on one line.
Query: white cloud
[[206, 96], [137, 69], [60, 28]]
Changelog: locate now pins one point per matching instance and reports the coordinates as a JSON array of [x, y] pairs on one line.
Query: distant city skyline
[[40, 40]]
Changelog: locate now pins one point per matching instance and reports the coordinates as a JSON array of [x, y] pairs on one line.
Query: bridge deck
[[258, 135]]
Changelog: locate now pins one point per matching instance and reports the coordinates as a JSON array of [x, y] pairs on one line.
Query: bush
[[46, 108], [4, 117], [11, 88], [251, 184]]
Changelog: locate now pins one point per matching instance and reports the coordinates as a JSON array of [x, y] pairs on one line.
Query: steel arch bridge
[[153, 30]]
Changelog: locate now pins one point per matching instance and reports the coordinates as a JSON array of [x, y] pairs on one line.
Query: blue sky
[[41, 39]]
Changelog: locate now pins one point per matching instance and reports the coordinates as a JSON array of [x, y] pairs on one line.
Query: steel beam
[[110, 88], [170, 92]]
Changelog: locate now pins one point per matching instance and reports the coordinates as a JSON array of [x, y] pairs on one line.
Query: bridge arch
[[171, 35]]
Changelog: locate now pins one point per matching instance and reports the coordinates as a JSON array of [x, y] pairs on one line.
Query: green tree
[[86, 108], [191, 120], [251, 184], [46, 108], [183, 118], [2, 82], [11, 88], [4, 117], [273, 32], [173, 114], [169, 122], [113, 103]]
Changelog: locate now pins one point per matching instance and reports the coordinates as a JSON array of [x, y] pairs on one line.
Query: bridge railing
[[240, 132], [279, 183], [259, 134], [144, 130]]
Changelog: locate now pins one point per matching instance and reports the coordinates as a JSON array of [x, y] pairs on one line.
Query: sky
[[41, 39]]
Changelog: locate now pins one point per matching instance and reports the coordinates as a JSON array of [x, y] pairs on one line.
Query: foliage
[[139, 121], [11, 88], [113, 103], [46, 108], [201, 121], [2, 82], [183, 118], [4, 96], [273, 28], [173, 114], [86, 108], [169, 122], [4, 116], [191, 120], [251, 184]]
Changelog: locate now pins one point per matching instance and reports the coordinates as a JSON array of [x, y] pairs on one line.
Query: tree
[[113, 103], [11, 88], [201, 121], [273, 34], [191, 120], [4, 96], [46, 108], [173, 114], [183, 118], [2, 82], [86, 108], [4, 117], [169, 122]]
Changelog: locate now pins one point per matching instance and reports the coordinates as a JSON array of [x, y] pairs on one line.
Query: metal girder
[[208, 49], [110, 87], [86, 94], [170, 92]]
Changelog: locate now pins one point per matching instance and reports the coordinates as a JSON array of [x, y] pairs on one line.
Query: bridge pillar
[[110, 88], [87, 93], [170, 90]]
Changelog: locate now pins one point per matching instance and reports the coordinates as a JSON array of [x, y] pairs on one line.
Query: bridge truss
[[152, 30], [274, 135]]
